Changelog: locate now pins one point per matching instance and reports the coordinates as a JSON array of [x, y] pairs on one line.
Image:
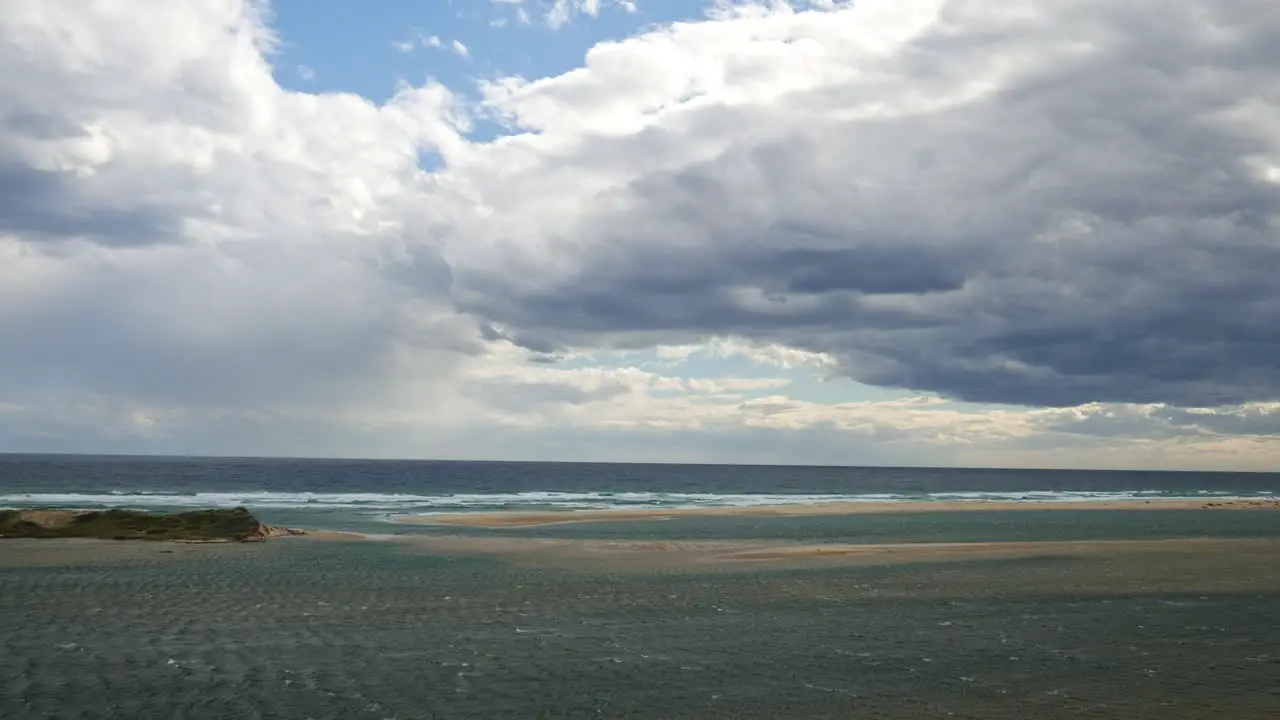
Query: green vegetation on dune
[[233, 525]]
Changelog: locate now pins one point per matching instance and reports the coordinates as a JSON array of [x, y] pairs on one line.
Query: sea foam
[[396, 503]]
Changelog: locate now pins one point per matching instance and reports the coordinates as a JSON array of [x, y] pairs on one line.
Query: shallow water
[[964, 526], [308, 629]]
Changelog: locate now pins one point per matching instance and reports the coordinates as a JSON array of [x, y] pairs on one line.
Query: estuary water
[[306, 628]]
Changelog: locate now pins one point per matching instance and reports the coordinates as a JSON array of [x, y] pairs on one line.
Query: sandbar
[[524, 519], [757, 551], [332, 535], [1088, 567]]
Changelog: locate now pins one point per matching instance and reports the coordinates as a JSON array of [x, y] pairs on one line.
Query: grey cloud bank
[[1074, 203]]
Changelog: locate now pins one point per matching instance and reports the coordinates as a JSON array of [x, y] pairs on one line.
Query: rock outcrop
[[234, 525]]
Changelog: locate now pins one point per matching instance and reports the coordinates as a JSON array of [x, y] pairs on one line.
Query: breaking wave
[[397, 503]]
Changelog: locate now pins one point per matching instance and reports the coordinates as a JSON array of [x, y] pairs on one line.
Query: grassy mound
[[234, 525]]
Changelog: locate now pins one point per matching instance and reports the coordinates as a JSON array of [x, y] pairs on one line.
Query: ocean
[[573, 621], [369, 492]]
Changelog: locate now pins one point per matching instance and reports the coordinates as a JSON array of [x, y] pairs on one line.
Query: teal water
[[296, 629], [310, 629]]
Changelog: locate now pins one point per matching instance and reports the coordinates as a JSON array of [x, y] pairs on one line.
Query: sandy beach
[[556, 517]]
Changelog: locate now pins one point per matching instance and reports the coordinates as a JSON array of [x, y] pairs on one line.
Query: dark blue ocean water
[[379, 489]]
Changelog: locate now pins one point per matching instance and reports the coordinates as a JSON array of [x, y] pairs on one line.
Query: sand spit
[[555, 517], [203, 526], [1087, 567], [645, 554], [332, 535]]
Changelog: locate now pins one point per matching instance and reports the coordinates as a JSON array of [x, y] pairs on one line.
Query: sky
[[907, 232]]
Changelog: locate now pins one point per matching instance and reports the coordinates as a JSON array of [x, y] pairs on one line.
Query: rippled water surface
[[310, 629], [301, 628]]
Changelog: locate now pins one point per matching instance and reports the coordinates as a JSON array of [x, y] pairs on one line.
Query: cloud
[[418, 39], [181, 234], [626, 408], [558, 13], [522, 15], [1048, 206], [562, 11], [1068, 208]]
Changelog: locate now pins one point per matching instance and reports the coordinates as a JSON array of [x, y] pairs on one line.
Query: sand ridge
[[512, 519], [650, 554]]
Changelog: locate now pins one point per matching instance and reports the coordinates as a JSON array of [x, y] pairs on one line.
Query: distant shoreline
[[525, 519]]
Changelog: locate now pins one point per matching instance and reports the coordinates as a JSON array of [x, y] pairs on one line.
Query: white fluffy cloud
[[558, 13], [178, 230], [1069, 206]]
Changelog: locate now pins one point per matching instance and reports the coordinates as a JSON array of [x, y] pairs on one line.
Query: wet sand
[[1099, 568], [558, 517], [333, 535], [645, 555], [667, 555]]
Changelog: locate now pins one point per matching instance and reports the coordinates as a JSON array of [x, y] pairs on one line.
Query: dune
[[221, 525]]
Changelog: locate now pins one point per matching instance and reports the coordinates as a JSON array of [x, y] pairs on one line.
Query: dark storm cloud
[[885, 270], [1098, 227]]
